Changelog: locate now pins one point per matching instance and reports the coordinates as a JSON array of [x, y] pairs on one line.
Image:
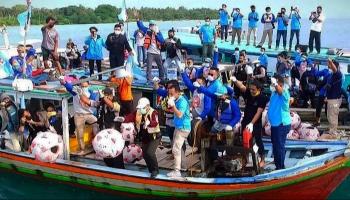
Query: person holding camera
[[94, 53], [253, 19], [224, 17], [237, 18], [317, 18], [282, 26], [294, 16], [268, 19]]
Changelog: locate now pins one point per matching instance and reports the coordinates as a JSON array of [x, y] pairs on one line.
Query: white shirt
[[317, 26]]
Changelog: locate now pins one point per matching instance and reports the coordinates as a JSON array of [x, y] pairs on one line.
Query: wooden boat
[[313, 177]]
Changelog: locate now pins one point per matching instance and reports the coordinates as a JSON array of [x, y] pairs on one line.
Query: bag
[[247, 139], [22, 85]]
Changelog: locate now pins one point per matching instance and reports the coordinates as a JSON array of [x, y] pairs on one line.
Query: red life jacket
[[148, 40]]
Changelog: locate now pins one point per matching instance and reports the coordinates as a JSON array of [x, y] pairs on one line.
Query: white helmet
[[143, 102]]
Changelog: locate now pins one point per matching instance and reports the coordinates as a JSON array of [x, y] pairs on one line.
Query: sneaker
[[247, 45], [259, 46], [154, 174], [174, 174], [270, 47]]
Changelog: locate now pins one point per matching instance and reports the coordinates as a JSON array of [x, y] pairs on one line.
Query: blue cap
[[30, 52]]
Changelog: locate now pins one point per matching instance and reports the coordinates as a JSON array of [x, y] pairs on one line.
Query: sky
[[332, 8]]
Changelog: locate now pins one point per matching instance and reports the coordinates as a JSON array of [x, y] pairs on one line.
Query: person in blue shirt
[[263, 58], [295, 26], [253, 19], [224, 17], [297, 56], [333, 96], [279, 117], [94, 53], [182, 122], [282, 25], [237, 21], [207, 35]]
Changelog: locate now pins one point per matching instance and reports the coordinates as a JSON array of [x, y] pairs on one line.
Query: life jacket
[[256, 71], [148, 40], [241, 73]]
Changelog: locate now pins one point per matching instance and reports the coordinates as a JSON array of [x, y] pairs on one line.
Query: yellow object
[[88, 137]]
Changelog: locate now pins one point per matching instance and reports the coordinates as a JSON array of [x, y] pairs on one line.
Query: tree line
[[103, 14]]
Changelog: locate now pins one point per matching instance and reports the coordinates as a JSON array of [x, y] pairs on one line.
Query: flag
[[24, 19], [123, 15]]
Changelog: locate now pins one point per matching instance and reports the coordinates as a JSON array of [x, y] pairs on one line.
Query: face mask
[[117, 32], [256, 94], [308, 69], [272, 89], [210, 78], [262, 53], [268, 12], [143, 111], [50, 114], [298, 51], [21, 55], [206, 65], [207, 23]]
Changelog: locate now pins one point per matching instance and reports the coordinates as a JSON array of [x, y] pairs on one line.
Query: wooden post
[[65, 126]]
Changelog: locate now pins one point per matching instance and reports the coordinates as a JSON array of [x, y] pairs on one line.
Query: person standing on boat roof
[[182, 122], [282, 26], [141, 50], [224, 17], [295, 26], [263, 58], [8, 123], [49, 45], [279, 117], [317, 18], [84, 100], [117, 44], [94, 53], [268, 19], [237, 22], [254, 106], [147, 125], [253, 19], [333, 98], [173, 50], [207, 35], [153, 43]]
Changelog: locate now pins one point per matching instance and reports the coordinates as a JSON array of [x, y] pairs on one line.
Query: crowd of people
[[215, 95], [270, 21]]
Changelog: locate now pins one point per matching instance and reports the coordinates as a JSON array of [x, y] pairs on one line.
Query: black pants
[[297, 34], [315, 36], [116, 162], [308, 95], [257, 134], [92, 67], [319, 106], [224, 31], [126, 107], [116, 60], [149, 148], [283, 34]]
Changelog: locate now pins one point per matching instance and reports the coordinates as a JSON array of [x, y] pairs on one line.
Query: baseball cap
[[143, 102]]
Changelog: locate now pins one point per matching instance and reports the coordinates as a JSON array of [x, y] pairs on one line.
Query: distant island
[[103, 14]]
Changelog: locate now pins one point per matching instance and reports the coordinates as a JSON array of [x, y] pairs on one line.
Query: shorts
[[46, 54]]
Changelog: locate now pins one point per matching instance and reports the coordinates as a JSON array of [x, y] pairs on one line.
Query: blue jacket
[[230, 114], [297, 58], [237, 20], [295, 22], [253, 18], [215, 87], [325, 74], [207, 99], [264, 60], [281, 26], [18, 69], [95, 50], [144, 29]]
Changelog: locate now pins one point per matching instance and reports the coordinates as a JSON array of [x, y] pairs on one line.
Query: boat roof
[[192, 40]]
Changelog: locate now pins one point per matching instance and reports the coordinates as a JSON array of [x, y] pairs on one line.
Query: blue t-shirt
[[18, 65], [263, 60], [183, 123], [208, 33], [295, 22], [278, 112], [223, 17], [253, 19], [237, 20], [280, 23]]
